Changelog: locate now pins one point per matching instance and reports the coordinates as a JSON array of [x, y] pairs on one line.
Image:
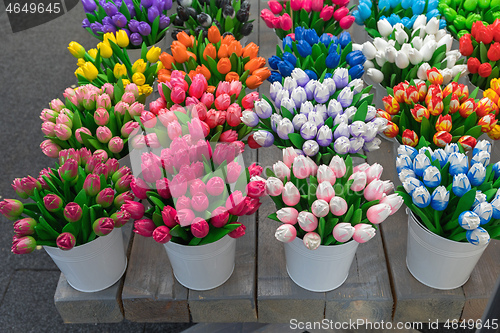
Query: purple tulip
[[133, 25], [356, 145], [309, 130], [167, 4], [144, 29], [89, 6], [86, 23], [342, 130], [342, 145], [324, 136], [153, 13], [119, 20], [108, 28], [146, 3], [164, 20], [96, 28], [135, 39], [357, 128], [110, 9], [107, 20]]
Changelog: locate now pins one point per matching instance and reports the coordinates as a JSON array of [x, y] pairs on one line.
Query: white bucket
[[358, 33], [320, 270], [438, 262], [202, 267], [135, 54], [93, 266]]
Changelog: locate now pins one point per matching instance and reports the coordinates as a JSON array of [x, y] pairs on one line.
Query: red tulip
[[465, 45], [484, 70]]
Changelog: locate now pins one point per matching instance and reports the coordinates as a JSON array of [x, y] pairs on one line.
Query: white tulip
[[406, 49], [450, 61], [422, 71], [429, 38], [446, 40], [417, 43], [421, 21], [455, 53], [380, 43], [369, 50], [415, 56], [399, 26], [432, 26], [390, 54], [368, 64], [459, 69], [391, 42], [380, 58], [375, 75], [447, 77], [384, 27], [356, 47], [440, 34], [427, 50], [402, 60], [401, 36]]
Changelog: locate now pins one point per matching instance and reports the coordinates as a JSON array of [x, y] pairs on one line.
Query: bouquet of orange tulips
[[217, 58]]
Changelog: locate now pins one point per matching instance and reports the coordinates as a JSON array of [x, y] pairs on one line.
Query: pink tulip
[[275, 7], [166, 117], [222, 102], [312, 240], [219, 217], [276, 22], [290, 194], [103, 134], [162, 234], [73, 212], [79, 131], [343, 231], [103, 226], [346, 22], [287, 215], [326, 13], [124, 170], [121, 218], [122, 197], [395, 201], [285, 233], [163, 189], [238, 232], [183, 202], [105, 197], [66, 241], [137, 108], [196, 89], [307, 5], [373, 172], [121, 108], [50, 149], [307, 221], [215, 186], [256, 189], [378, 213], [388, 186], [56, 105], [108, 88], [325, 191], [123, 184], [363, 233], [338, 206], [289, 155], [255, 170], [144, 227], [251, 206], [267, 15], [178, 95], [233, 172], [233, 115], [169, 216], [281, 170], [174, 130], [25, 227], [340, 13], [132, 88], [101, 117], [199, 227], [136, 209], [151, 171], [23, 245], [207, 99], [301, 167], [274, 186], [63, 132], [325, 174], [200, 202], [103, 101], [48, 128], [337, 164], [128, 97], [248, 101], [63, 118], [235, 88], [199, 111], [361, 168], [320, 208], [296, 4], [66, 154], [286, 22], [229, 136], [374, 190], [186, 217], [359, 181], [148, 119], [178, 185], [235, 203], [115, 145]]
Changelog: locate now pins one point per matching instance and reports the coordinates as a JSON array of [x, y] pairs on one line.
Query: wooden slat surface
[[100, 307]]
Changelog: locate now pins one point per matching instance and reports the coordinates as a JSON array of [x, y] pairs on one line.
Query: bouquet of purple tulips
[[144, 20], [331, 203], [86, 196], [321, 118]]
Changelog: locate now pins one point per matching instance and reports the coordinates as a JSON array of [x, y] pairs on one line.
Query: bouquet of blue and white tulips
[[369, 12], [452, 199], [320, 118], [315, 55]]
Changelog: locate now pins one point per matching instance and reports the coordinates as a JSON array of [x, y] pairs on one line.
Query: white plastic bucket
[[358, 33], [135, 54], [93, 266], [438, 262], [320, 270], [202, 267]]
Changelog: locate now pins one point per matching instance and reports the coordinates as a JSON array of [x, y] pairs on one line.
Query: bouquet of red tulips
[[85, 196], [482, 49], [434, 116], [218, 59]]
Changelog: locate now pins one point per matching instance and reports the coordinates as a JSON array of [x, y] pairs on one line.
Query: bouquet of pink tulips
[[86, 196], [98, 119], [331, 203], [196, 195], [330, 16]]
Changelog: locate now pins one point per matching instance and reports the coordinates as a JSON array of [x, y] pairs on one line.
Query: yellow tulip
[[139, 66], [139, 79], [125, 82], [106, 51], [159, 65], [153, 54], [119, 70], [76, 50], [109, 36], [90, 71], [81, 62], [145, 89], [494, 133], [93, 53], [122, 38], [79, 71]]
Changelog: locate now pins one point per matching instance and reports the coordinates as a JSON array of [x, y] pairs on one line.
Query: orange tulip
[[255, 64], [210, 89], [263, 73], [228, 39], [167, 60], [204, 71], [224, 66], [184, 38], [209, 51], [232, 76], [192, 74], [213, 34], [179, 52], [164, 75], [223, 51], [251, 50], [253, 81], [191, 55], [235, 47]]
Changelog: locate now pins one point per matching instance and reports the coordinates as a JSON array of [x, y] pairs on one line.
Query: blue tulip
[[476, 174], [480, 146], [440, 198], [412, 21], [357, 17], [290, 58], [406, 4], [483, 157], [468, 220], [312, 75], [333, 47], [287, 41], [495, 203], [406, 22], [325, 39], [355, 58], [418, 7], [496, 169], [478, 236], [332, 60], [304, 48], [394, 19], [421, 197], [403, 162], [442, 24], [441, 156], [394, 3], [432, 13], [273, 62], [407, 150], [420, 163], [344, 39], [364, 11], [356, 72], [275, 77], [328, 75], [485, 211], [431, 177], [335, 40], [285, 68], [461, 184], [299, 33], [384, 5], [366, 2], [458, 163], [432, 4], [451, 148], [410, 184], [311, 36]]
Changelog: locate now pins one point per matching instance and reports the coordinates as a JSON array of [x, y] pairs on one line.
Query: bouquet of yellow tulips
[[110, 63]]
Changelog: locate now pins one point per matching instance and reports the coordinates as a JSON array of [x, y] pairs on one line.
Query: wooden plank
[[235, 299], [413, 300], [100, 307]]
